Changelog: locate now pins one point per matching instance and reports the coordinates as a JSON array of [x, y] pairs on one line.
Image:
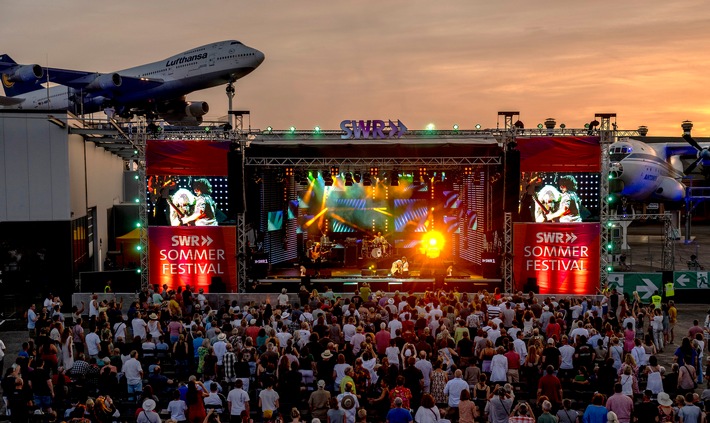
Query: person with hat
[[325, 368], [148, 414], [348, 402], [666, 413], [318, 402], [220, 348]]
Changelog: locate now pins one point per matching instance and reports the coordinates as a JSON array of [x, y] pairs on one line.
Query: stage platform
[[347, 280]]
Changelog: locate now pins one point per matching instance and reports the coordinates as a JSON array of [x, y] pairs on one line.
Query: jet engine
[[197, 108], [107, 81], [26, 73], [180, 112], [669, 189]]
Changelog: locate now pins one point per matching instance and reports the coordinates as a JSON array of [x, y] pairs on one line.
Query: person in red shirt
[[553, 329], [382, 339], [513, 364], [400, 391], [253, 330], [550, 386]]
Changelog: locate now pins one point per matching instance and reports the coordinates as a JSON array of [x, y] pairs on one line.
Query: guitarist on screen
[[570, 204], [205, 213], [181, 205], [547, 201]]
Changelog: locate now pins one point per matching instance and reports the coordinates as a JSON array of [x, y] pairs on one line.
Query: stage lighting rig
[[357, 177], [366, 179], [348, 179], [327, 178], [394, 178]]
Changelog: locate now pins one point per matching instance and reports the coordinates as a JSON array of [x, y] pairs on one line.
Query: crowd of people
[[366, 357]]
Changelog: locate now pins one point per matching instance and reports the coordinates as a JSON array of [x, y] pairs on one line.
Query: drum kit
[[375, 249]]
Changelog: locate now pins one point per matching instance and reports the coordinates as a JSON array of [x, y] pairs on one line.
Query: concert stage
[[347, 280]]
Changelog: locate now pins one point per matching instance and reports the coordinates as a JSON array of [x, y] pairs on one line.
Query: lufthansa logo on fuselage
[[185, 59], [6, 81]]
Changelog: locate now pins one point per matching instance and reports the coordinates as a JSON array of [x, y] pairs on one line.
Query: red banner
[[559, 154], [204, 158], [193, 255], [562, 257]]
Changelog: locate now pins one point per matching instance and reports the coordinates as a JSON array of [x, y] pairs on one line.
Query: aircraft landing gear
[[230, 91]]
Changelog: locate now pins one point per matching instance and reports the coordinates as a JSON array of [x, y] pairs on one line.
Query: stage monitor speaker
[[217, 285], [366, 273], [350, 255], [490, 265], [235, 184], [260, 265], [382, 273], [532, 286], [512, 181]]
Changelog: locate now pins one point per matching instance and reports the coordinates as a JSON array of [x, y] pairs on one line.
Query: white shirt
[[132, 370], [139, 325], [177, 410], [238, 399], [499, 368], [521, 349], [393, 326], [119, 330], [453, 389], [282, 299], [567, 353], [93, 344], [220, 348], [348, 331]]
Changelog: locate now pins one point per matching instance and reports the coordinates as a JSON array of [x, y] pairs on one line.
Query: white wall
[[44, 175], [102, 173], [34, 173]]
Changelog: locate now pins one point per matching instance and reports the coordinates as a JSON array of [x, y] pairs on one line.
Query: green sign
[[691, 280], [643, 283]]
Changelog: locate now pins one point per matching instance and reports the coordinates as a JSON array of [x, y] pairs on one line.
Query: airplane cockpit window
[[618, 153]]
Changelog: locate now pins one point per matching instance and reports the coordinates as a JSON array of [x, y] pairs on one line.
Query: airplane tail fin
[[15, 88]]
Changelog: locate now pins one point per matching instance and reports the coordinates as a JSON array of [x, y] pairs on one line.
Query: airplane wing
[[100, 84], [10, 101]]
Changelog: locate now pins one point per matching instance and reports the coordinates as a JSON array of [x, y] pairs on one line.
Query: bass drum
[[376, 253]]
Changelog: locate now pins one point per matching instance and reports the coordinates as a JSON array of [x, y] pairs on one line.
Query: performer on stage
[[205, 208], [381, 242], [181, 205], [405, 267], [568, 210], [396, 269]]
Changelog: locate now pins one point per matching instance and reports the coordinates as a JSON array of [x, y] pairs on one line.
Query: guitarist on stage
[[159, 187]]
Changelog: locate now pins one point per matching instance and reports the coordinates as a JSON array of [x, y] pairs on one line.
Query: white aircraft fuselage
[[648, 172], [159, 86]]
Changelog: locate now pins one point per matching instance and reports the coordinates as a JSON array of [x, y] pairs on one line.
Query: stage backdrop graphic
[[193, 255], [173, 157], [562, 257], [559, 154]]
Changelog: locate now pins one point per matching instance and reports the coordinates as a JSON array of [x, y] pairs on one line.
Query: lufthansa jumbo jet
[[155, 89]]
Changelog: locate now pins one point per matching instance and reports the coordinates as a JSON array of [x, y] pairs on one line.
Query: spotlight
[[366, 179], [456, 126], [227, 127], [357, 177], [327, 178], [478, 125], [316, 130], [292, 129], [394, 178], [348, 179], [298, 177], [430, 127], [334, 170], [269, 129], [374, 171]]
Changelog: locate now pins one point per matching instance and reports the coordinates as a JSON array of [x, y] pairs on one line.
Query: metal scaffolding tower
[[607, 135], [139, 141], [508, 285]]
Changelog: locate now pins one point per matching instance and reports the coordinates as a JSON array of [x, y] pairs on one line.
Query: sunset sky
[[441, 62]]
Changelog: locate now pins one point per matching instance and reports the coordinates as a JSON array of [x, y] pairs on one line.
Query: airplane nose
[[259, 57]]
